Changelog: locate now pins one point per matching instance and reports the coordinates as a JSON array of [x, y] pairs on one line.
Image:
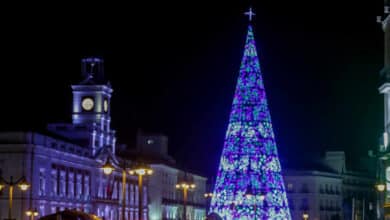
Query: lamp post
[[21, 183], [208, 197], [138, 169], [185, 185], [32, 213], [108, 168], [380, 185]]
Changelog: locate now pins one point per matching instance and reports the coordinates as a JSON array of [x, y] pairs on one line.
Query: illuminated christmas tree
[[249, 183]]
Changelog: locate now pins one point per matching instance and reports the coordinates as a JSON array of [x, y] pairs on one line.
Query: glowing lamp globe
[[23, 184], [140, 172], [141, 169], [380, 187], [108, 168]]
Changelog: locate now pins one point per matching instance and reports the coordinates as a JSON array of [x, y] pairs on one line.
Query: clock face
[[105, 105], [87, 104]]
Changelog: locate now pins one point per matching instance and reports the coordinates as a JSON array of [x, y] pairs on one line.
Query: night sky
[[174, 67]]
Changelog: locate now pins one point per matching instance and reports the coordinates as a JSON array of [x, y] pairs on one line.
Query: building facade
[[165, 201], [383, 151], [63, 166], [328, 191]]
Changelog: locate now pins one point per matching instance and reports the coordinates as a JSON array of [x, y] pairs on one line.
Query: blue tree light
[[249, 157]]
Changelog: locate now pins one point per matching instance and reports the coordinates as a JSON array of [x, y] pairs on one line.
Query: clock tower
[[91, 97], [91, 109], [91, 102]]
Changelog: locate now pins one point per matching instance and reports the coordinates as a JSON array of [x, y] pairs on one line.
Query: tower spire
[[249, 161], [385, 22]]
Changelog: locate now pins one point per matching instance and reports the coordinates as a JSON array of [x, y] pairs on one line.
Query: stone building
[[63, 164], [165, 201], [326, 189]]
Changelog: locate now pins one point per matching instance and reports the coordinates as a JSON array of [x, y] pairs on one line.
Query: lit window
[[42, 182], [388, 178], [290, 187]]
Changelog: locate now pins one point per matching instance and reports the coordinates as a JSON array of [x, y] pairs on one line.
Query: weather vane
[[250, 13]]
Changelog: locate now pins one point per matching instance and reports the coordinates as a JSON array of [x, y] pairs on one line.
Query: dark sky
[[174, 66]]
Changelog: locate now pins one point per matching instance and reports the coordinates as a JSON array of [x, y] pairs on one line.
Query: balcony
[[104, 200]]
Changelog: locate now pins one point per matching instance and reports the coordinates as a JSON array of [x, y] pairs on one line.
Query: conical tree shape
[[249, 183]]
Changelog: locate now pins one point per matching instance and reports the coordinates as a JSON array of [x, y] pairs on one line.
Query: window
[[370, 206], [305, 188], [321, 188], [54, 181], [388, 178], [304, 204], [42, 210], [290, 187], [71, 185], [133, 194], [291, 204], [62, 183], [78, 185], [42, 183], [86, 185]]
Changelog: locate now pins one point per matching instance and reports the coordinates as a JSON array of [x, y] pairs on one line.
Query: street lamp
[[208, 195], [380, 186], [108, 168], [185, 185], [21, 183], [32, 213], [305, 216], [140, 169]]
